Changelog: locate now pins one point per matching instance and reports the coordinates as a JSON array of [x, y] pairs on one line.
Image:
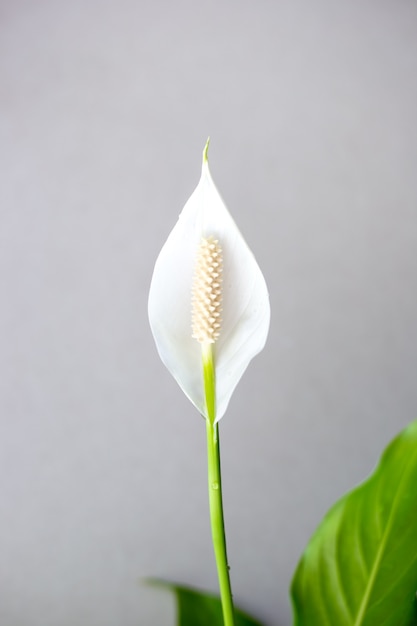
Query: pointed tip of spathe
[[205, 152]]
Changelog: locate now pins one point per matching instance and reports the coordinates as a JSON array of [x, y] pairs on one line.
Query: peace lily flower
[[208, 303], [209, 314]]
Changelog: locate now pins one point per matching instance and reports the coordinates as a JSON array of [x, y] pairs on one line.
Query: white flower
[[240, 325]]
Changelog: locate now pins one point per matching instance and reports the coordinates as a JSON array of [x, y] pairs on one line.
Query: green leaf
[[360, 567], [197, 608]]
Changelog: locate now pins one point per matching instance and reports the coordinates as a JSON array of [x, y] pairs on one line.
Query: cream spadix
[[207, 288], [207, 291]]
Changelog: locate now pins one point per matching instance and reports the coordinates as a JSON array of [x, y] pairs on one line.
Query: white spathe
[[246, 312]]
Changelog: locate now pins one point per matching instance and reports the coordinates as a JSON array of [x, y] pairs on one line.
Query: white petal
[[245, 304]]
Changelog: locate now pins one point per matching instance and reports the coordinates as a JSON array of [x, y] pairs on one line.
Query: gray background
[[105, 108]]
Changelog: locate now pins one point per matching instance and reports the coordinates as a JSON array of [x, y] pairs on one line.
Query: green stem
[[215, 489]]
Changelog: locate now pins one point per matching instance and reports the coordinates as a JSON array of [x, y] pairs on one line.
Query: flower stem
[[215, 489]]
